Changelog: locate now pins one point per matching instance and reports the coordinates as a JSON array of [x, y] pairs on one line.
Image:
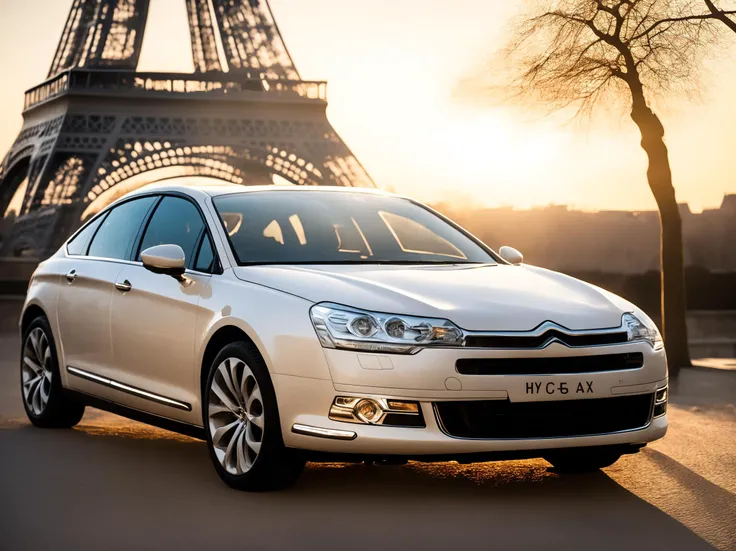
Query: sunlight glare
[[166, 44]]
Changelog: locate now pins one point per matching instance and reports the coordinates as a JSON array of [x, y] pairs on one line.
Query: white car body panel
[[159, 313], [480, 298], [84, 312], [155, 338]]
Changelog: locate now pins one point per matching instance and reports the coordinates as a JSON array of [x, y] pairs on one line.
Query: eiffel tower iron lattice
[[97, 128]]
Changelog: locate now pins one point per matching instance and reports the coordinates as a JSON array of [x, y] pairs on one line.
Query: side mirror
[[511, 255], [165, 259]]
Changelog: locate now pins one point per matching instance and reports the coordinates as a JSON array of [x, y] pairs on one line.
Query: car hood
[[475, 297]]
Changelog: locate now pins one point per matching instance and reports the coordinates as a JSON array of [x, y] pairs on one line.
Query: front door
[[154, 317]]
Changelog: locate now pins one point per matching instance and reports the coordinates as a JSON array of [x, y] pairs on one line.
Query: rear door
[[153, 322], [94, 259]]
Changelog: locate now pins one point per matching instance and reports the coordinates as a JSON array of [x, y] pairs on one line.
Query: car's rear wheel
[[242, 423], [44, 399], [586, 460]]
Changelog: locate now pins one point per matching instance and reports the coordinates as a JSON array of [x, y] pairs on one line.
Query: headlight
[[352, 329], [642, 329]]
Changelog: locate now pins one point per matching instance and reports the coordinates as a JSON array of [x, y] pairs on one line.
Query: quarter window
[[115, 237], [78, 246], [176, 221], [206, 256]]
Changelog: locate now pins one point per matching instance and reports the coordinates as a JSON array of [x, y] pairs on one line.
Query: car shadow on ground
[[117, 484], [111, 483]]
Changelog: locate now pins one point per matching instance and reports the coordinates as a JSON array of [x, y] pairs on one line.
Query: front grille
[[502, 419], [549, 366], [540, 341]]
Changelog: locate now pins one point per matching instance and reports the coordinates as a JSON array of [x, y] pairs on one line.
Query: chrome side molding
[[319, 432], [135, 391]]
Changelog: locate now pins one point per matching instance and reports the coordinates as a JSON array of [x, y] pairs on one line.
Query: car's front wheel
[[44, 399], [242, 423], [584, 460]]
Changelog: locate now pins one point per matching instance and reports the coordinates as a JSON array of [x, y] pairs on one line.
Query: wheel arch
[[221, 337], [30, 313]]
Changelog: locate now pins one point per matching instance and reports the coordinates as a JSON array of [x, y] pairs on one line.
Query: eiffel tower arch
[[97, 128]]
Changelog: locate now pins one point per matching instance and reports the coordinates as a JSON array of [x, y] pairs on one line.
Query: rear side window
[[78, 246], [176, 221], [115, 237]]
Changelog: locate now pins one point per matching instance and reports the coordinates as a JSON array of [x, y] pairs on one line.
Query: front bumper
[[430, 377]]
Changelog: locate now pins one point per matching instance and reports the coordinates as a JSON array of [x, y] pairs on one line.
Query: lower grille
[[549, 366], [503, 419]]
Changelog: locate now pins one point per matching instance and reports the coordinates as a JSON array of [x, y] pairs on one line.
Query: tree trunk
[[674, 328]]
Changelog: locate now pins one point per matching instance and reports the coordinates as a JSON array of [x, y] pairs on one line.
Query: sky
[[393, 68]]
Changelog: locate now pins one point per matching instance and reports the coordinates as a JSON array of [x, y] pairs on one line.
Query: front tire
[[242, 424], [587, 460], [44, 399]]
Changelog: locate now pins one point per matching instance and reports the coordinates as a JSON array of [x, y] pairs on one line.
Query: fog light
[[368, 411], [376, 411], [660, 402], [660, 396]]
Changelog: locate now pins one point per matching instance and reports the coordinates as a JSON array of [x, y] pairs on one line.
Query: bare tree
[[585, 53], [721, 15]]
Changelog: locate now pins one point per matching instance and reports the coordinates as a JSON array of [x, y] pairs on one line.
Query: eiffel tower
[[97, 128]]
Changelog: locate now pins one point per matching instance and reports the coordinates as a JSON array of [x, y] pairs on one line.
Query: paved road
[[111, 484]]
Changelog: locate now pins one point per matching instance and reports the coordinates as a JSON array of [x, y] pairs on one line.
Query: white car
[[286, 324]]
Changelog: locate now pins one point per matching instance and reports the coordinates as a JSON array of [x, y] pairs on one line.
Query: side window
[[115, 237], [78, 245], [175, 221], [205, 257]]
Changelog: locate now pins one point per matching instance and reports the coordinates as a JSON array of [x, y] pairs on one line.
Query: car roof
[[200, 188]]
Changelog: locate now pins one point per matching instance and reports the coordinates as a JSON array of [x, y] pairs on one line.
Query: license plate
[[561, 388]]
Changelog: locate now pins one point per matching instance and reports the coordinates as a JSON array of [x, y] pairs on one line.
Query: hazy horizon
[[392, 71]]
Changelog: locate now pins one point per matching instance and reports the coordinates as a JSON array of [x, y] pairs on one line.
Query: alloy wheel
[[36, 371], [236, 416]]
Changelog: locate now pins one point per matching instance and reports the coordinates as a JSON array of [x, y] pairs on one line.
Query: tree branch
[[683, 19], [721, 15]]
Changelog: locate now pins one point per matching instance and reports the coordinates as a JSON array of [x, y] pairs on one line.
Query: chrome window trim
[[129, 263], [135, 391], [102, 259], [200, 203]]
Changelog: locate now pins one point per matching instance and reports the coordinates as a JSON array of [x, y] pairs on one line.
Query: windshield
[[319, 227]]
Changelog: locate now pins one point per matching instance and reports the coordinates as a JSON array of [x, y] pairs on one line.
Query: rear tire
[[572, 461], [46, 403], [241, 420]]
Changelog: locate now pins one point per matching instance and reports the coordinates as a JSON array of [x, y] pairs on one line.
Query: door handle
[[71, 276], [123, 286]]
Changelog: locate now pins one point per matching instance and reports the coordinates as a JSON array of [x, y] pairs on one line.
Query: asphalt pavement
[[114, 484]]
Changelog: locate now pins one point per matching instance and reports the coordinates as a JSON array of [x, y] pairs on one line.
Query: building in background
[[558, 238]]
